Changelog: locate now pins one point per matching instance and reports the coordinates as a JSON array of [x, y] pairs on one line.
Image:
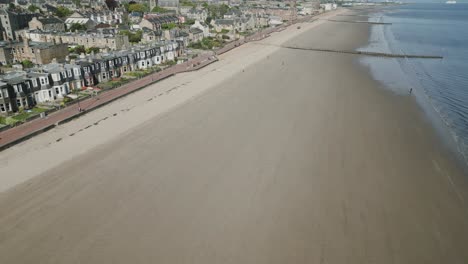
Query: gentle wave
[[444, 83]]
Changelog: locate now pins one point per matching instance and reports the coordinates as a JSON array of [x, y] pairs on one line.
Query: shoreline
[[270, 155], [445, 134]]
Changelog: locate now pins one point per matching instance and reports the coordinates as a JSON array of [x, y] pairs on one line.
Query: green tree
[[217, 11], [33, 8], [158, 9], [188, 3], [132, 37], [76, 26], [62, 11], [27, 64], [77, 3], [169, 26], [137, 8], [92, 49], [78, 49], [189, 22]]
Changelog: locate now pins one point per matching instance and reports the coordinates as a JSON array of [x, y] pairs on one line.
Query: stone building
[[155, 22], [47, 24], [7, 99], [99, 39], [81, 19], [36, 52], [12, 21], [16, 92], [6, 55], [197, 14]]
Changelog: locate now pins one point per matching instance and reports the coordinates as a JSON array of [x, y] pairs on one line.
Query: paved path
[[15, 134]]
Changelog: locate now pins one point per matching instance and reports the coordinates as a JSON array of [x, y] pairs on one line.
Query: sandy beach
[[271, 155]]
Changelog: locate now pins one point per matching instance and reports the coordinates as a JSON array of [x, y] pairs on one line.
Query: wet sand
[[292, 157]]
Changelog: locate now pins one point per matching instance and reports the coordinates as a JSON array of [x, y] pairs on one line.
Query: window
[[69, 73], [57, 91], [104, 75], [18, 102], [42, 81], [2, 107]]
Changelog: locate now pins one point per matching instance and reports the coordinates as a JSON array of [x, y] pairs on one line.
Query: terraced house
[[54, 81], [17, 92]]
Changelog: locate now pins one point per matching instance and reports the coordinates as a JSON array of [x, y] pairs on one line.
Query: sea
[[440, 86]]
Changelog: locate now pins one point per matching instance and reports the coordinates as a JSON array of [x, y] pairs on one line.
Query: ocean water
[[442, 85]]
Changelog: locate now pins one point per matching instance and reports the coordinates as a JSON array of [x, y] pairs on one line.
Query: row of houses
[[240, 24], [91, 19], [101, 38], [51, 82]]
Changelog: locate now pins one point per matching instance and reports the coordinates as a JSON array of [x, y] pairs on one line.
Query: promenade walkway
[[29, 129]]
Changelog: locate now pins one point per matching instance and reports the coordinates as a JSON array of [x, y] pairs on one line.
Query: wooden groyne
[[353, 15], [359, 22], [369, 53]]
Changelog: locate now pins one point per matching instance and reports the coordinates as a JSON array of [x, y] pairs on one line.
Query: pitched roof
[[195, 30], [50, 20]]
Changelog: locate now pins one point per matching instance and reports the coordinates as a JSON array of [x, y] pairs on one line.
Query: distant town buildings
[[108, 43], [36, 52], [53, 81], [80, 19], [47, 24], [156, 21], [13, 21], [104, 39]]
